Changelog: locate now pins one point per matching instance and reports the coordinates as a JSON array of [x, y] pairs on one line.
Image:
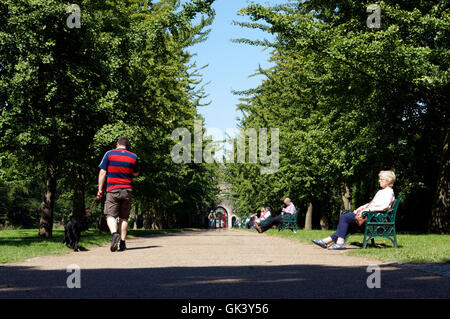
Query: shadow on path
[[290, 281], [144, 247]]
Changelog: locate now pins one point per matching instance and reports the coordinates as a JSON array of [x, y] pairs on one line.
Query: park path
[[215, 264]]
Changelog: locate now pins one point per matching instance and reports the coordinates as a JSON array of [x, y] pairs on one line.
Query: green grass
[[413, 248], [20, 244]]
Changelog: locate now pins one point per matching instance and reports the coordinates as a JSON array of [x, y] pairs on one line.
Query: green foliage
[[349, 102], [66, 95]]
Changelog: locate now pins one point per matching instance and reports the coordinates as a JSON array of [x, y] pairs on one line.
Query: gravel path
[[215, 264]]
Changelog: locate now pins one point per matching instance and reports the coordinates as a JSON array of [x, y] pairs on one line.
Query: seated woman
[[254, 217], [382, 201], [265, 214]]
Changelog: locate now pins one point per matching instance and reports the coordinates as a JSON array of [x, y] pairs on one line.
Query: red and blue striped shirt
[[120, 165]]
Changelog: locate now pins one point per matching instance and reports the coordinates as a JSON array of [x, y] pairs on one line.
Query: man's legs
[[112, 224], [123, 225], [125, 207], [112, 207]]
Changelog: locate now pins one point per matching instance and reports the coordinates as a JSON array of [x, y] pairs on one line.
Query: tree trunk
[[156, 220], [440, 216], [347, 197], [102, 224], [136, 214], [324, 216], [147, 220], [79, 204], [46, 222], [308, 218]]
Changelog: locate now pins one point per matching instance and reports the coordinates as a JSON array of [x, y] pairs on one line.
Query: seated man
[[289, 209]]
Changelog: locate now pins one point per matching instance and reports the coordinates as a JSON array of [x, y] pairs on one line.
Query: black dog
[[72, 232]]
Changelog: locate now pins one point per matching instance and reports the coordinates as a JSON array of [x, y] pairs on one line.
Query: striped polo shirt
[[120, 165]]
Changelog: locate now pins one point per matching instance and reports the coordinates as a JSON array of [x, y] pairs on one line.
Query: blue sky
[[230, 64]]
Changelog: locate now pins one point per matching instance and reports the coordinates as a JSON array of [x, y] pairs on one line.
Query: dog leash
[[89, 209]]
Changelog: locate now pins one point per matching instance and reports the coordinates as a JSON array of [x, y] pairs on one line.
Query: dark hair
[[269, 209], [124, 141]]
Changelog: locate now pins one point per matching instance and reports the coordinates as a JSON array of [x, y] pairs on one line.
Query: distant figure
[[382, 201], [288, 210], [254, 217], [248, 224], [212, 223], [265, 214]]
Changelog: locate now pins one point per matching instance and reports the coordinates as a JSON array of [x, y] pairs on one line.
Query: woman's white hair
[[388, 176]]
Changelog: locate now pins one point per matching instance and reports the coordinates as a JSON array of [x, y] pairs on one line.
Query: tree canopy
[[351, 101], [67, 94]]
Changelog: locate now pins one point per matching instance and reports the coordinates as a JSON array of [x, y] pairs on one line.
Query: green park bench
[[265, 221], [289, 222], [379, 224]]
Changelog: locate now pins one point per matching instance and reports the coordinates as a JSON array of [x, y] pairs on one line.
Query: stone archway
[[221, 217], [233, 220], [227, 204]]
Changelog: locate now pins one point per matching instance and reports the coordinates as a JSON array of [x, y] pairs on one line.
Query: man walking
[[118, 167], [289, 209]]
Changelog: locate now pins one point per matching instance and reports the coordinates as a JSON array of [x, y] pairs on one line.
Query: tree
[[67, 94], [351, 101]]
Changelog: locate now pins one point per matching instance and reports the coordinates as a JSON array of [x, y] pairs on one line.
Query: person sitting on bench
[[382, 201], [289, 209], [265, 214]]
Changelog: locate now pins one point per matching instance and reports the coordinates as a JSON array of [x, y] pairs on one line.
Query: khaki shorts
[[118, 203]]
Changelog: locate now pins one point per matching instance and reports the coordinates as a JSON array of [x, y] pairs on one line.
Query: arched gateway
[[223, 212]]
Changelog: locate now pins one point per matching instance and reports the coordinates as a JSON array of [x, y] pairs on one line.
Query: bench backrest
[[395, 206], [296, 215], [389, 216]]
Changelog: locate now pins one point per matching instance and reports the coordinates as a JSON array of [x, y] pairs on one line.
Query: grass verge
[[20, 244], [413, 248]]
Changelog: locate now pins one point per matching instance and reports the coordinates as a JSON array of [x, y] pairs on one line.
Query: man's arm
[[101, 182]]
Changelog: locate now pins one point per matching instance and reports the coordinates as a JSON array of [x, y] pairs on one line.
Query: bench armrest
[[379, 217], [288, 217], [373, 213]]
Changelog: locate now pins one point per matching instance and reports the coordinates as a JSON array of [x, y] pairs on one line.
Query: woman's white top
[[383, 200]]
